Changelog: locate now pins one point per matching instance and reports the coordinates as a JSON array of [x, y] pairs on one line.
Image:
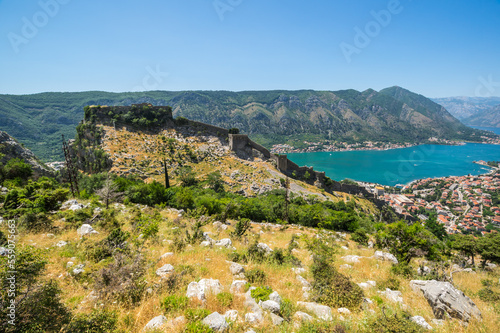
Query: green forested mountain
[[393, 114]]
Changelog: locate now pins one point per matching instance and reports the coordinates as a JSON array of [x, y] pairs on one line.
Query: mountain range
[[466, 109], [390, 115]]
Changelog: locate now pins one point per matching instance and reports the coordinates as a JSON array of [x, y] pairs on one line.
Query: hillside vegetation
[[393, 114]]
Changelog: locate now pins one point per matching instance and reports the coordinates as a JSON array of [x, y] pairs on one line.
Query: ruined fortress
[[162, 117]]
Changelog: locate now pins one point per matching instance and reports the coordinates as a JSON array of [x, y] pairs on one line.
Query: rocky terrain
[[463, 108], [11, 148], [486, 118]]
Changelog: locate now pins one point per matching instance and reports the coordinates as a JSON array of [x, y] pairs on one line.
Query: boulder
[[165, 270], [3, 251], [445, 299], [202, 288], [166, 255], [78, 269], [352, 259], [379, 255], [253, 318], [298, 270], [270, 306], [274, 296], [225, 242], [344, 311], [421, 322], [236, 269], [302, 316], [61, 243], [86, 229], [304, 282], [205, 244], [276, 320], [237, 286], [323, 312], [155, 323], [264, 247], [216, 322], [392, 295], [231, 315]]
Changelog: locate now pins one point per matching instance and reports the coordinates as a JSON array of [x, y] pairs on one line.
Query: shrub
[[193, 315], [108, 220], [17, 168], [392, 323], [321, 327], [287, 309], [256, 276], [333, 288], [197, 327], [390, 283], [187, 177], [488, 295], [240, 228], [33, 222], [225, 299], [3, 239], [98, 321], [403, 269], [360, 237], [42, 310], [261, 293], [174, 303], [122, 280]]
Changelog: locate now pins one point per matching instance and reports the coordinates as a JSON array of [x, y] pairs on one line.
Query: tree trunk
[[167, 182]]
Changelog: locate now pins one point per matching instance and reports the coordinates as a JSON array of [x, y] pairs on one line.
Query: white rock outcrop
[[323, 312], [201, 289], [446, 300]]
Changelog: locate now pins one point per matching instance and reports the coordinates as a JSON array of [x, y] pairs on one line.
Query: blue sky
[[436, 48]]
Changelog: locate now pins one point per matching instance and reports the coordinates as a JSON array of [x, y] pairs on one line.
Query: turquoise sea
[[401, 166]]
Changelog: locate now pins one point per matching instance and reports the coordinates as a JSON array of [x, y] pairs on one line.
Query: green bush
[[3, 238], [392, 323], [256, 276], [391, 283], [488, 295], [17, 168], [240, 228], [197, 327], [98, 321], [193, 315], [225, 299], [287, 309], [261, 293], [403, 269], [360, 237], [333, 288], [174, 303], [33, 222]]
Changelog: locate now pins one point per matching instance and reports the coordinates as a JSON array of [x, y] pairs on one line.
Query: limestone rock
[[270, 306], [155, 323], [323, 312], [202, 288], [276, 320], [165, 270], [298, 270], [236, 269], [86, 229], [446, 299], [344, 311], [231, 315], [216, 322], [421, 322], [302, 316], [393, 295], [78, 269], [274, 296], [61, 243], [264, 247], [237, 286], [352, 259], [166, 255], [225, 242], [379, 255]]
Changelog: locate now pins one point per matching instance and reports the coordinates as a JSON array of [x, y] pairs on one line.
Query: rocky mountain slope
[[486, 118], [10, 148], [393, 114], [464, 107]]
